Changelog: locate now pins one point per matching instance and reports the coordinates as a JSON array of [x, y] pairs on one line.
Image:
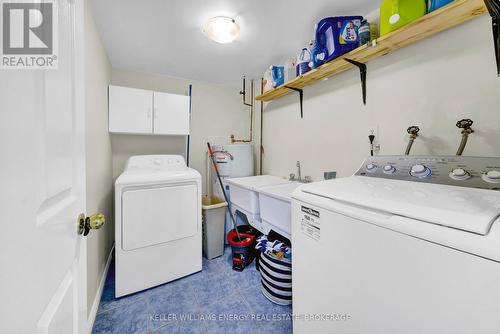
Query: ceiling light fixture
[[222, 29]]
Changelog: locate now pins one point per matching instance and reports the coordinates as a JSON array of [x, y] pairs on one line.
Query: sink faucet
[[306, 179], [298, 168]]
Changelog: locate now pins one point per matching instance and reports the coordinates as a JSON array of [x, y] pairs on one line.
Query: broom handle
[[223, 190]]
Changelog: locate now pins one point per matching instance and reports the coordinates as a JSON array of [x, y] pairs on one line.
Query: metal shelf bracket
[[301, 97], [362, 71], [494, 9]]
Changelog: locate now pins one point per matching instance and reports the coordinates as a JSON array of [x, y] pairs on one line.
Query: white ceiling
[[164, 36]]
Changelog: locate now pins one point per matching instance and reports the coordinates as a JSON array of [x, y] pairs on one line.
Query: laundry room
[[250, 167]]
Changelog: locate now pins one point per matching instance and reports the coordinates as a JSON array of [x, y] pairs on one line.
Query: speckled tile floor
[[216, 300]]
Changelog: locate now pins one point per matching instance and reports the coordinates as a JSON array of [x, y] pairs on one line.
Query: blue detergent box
[[338, 35]]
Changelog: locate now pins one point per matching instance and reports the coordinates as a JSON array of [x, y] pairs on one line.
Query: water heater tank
[[234, 160]]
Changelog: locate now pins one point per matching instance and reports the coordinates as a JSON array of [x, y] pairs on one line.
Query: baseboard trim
[[97, 298]]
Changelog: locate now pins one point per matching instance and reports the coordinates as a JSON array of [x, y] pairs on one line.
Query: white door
[[171, 114], [130, 110], [42, 180]]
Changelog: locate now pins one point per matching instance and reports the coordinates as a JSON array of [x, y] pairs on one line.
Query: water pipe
[[413, 132], [261, 151], [233, 140], [465, 125]]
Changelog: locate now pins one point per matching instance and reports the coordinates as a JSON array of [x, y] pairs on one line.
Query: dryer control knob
[[371, 167], [459, 174], [493, 176], [389, 169], [420, 171]]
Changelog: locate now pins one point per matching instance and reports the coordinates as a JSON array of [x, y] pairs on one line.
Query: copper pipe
[[261, 152], [244, 93], [233, 140]]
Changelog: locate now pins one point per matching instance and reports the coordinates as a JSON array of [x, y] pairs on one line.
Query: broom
[[223, 190]]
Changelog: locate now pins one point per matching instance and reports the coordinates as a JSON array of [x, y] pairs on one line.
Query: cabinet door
[[171, 114], [130, 110]]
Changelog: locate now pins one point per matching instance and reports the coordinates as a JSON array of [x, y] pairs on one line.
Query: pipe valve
[[466, 126], [413, 132]]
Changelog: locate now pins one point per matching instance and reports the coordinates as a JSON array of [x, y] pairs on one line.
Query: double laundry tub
[[265, 200]]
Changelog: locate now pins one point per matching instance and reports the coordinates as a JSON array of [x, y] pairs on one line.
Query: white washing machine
[[157, 222], [409, 244]]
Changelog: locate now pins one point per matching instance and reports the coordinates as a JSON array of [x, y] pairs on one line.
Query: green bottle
[[396, 13]]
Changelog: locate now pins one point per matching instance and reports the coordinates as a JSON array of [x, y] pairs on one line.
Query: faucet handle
[[465, 123], [292, 177], [307, 179]]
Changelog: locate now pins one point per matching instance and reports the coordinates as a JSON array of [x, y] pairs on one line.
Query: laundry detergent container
[[338, 35], [396, 13], [436, 4]]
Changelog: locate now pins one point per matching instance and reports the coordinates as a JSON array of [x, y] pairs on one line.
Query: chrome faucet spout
[[299, 173]]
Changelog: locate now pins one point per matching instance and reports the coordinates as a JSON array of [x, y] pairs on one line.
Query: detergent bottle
[[268, 80], [364, 33], [303, 61], [278, 74], [338, 35], [274, 77], [436, 4], [396, 13], [318, 54], [290, 69]]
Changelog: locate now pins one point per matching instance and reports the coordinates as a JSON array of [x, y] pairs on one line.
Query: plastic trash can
[[214, 214]]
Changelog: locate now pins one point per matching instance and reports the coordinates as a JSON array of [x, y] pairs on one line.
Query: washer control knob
[[371, 167], [459, 174], [493, 176], [389, 169], [420, 171]]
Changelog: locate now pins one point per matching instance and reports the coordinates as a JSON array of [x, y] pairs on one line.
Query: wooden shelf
[[444, 18]]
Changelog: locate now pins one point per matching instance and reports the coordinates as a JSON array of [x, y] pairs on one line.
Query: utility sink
[[275, 207], [244, 195]]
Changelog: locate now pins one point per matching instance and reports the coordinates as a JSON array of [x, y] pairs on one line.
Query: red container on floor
[[243, 251]]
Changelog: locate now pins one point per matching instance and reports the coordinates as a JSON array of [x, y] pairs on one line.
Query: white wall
[[432, 84], [98, 153], [217, 112]]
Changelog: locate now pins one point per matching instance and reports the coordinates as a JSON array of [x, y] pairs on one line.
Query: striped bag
[[275, 273]]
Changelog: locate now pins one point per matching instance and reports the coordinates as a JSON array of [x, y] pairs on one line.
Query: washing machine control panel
[[473, 172]]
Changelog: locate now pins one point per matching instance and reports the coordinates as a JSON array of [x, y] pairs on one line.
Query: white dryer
[[157, 222], [410, 244]]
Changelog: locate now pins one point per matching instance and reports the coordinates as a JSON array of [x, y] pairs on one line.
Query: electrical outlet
[[373, 130]]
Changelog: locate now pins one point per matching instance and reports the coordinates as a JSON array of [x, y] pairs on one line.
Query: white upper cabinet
[[171, 114], [139, 111], [130, 110]]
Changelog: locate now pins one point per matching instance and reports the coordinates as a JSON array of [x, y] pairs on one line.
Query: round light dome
[[222, 29]]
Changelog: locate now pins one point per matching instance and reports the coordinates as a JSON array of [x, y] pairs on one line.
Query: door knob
[[94, 222]]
